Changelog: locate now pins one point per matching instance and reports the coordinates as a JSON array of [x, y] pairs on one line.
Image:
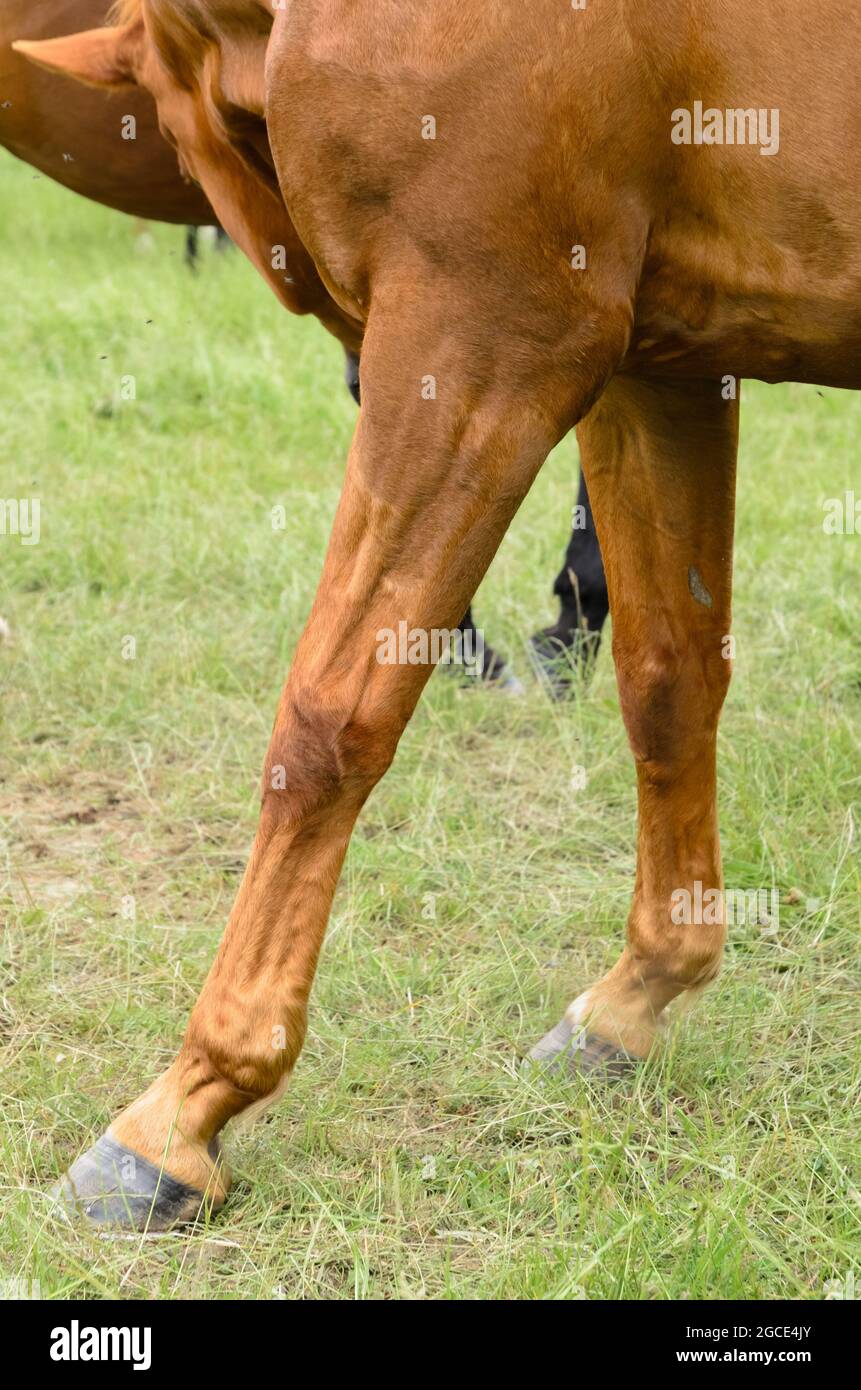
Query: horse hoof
[[553, 664], [508, 683], [494, 674], [575, 1050], [111, 1185], [498, 674], [561, 658]]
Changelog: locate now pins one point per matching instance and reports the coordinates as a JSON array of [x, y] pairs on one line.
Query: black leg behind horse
[[192, 244], [191, 247], [493, 667], [572, 642], [351, 376]]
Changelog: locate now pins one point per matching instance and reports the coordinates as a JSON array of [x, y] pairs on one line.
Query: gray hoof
[[509, 684], [562, 664], [574, 1050], [111, 1185]]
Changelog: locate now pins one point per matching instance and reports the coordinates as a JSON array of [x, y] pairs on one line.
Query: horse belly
[[747, 304]]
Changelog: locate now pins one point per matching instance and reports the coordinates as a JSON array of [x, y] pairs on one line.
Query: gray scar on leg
[[698, 588]]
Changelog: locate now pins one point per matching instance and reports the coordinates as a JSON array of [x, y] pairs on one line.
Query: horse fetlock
[[620, 1015], [628, 1006], [246, 1071]]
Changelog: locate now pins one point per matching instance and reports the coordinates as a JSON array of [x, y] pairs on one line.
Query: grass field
[[409, 1158]]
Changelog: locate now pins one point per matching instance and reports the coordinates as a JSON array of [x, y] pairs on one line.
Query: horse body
[[438, 164], [754, 262], [769, 247], [747, 263]]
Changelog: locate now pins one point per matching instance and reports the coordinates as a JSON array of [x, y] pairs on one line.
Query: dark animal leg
[[568, 647], [351, 376], [191, 247], [192, 244]]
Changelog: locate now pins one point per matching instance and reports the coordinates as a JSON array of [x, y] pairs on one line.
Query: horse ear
[[98, 57]]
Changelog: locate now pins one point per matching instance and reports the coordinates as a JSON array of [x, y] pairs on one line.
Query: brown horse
[[433, 166], [82, 137]]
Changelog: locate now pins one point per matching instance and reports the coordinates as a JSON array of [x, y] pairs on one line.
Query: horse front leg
[[660, 461], [431, 487], [486, 662]]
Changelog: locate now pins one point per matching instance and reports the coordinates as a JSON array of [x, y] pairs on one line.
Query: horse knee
[[366, 745], [671, 687], [320, 756]]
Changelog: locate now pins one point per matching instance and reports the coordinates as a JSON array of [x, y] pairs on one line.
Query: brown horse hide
[[75, 134]]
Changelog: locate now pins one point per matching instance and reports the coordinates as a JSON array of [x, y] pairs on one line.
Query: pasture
[[485, 885]]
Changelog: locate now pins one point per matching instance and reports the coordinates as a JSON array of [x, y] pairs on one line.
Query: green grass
[[408, 1159]]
